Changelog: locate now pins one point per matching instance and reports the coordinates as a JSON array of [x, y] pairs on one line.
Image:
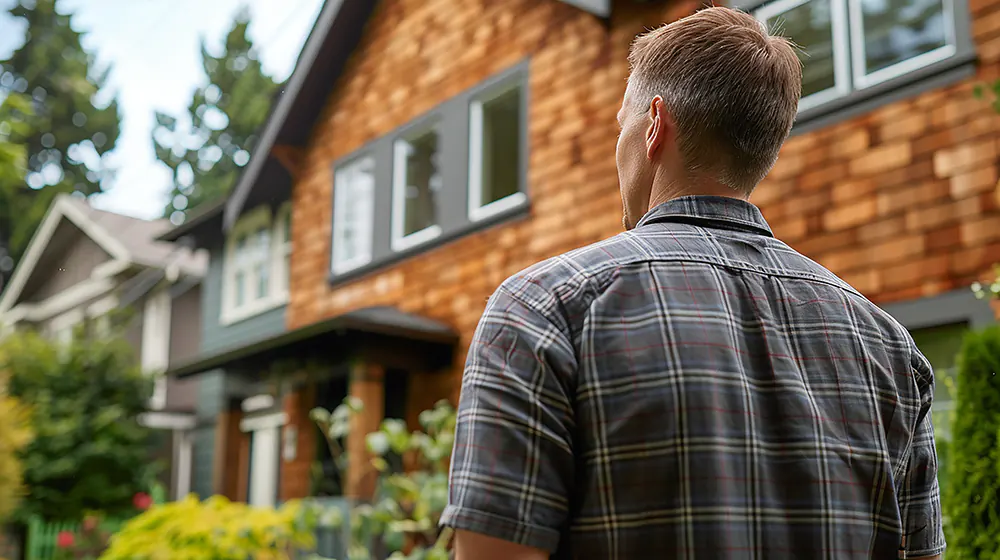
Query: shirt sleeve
[[919, 495], [512, 462]]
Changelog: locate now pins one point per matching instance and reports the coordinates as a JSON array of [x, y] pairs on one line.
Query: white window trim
[[401, 242], [849, 51], [477, 210], [184, 458], [277, 293], [340, 266], [155, 357], [863, 80], [64, 323], [841, 53], [99, 311]]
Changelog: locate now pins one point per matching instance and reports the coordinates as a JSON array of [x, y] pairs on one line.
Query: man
[[694, 388]]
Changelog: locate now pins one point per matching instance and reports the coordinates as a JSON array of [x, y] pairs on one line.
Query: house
[[82, 264], [430, 149]]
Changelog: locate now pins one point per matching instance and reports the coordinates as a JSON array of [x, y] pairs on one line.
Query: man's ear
[[658, 126]]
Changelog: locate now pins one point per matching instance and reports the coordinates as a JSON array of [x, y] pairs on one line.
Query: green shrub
[[972, 495], [215, 529], [14, 436], [89, 452]]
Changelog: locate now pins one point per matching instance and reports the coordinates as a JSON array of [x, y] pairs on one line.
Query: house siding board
[[216, 336], [72, 265], [210, 400], [900, 200], [185, 326]]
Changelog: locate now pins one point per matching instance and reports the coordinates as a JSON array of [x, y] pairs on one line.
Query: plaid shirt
[[695, 388]]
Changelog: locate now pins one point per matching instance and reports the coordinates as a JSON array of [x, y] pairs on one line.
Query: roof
[[381, 321], [140, 240], [128, 240], [199, 217], [337, 32]]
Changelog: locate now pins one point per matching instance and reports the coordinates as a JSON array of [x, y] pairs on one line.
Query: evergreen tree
[[68, 133], [205, 157], [14, 111]]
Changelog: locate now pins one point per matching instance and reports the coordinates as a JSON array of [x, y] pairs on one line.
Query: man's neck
[[671, 190]]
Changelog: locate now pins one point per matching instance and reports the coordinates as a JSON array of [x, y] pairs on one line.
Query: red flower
[[65, 539], [89, 523], [142, 501]]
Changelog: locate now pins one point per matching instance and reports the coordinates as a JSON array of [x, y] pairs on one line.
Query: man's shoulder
[[579, 265]]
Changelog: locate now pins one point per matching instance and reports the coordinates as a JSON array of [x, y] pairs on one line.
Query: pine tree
[[205, 158], [66, 128]]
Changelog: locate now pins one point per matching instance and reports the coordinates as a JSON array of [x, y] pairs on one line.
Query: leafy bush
[[972, 495], [402, 517], [14, 436], [86, 544], [215, 529], [89, 452]]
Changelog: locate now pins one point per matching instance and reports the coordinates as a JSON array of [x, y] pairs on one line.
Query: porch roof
[[380, 334]]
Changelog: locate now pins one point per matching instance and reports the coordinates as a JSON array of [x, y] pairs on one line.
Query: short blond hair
[[731, 88]]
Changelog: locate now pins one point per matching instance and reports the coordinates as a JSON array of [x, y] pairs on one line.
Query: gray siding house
[[82, 264], [243, 300]]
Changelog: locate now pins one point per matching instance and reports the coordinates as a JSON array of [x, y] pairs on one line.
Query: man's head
[[710, 100]]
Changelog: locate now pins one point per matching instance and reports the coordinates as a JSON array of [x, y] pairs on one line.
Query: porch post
[[367, 384]]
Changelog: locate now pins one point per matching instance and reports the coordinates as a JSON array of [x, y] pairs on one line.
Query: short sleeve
[[919, 495], [512, 463]]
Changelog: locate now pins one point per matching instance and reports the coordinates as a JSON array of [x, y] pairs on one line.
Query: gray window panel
[[937, 325], [880, 78], [451, 120]]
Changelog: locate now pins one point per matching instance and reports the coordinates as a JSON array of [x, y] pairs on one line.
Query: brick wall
[[418, 53], [294, 479], [901, 202]]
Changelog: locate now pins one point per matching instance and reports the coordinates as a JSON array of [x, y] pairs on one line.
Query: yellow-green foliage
[[215, 529], [14, 435]]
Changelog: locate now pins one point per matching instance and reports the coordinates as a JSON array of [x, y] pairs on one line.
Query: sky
[[154, 49]]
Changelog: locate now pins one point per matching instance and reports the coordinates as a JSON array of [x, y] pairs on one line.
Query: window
[[62, 329], [283, 249], [940, 345], [256, 264], [458, 168], [155, 356], [353, 213], [851, 45], [416, 182], [495, 142]]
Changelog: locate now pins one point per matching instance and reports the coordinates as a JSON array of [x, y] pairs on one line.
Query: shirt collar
[[710, 211]]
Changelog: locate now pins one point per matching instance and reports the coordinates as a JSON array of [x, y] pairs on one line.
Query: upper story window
[[848, 47], [353, 213], [256, 264], [495, 123], [416, 184], [459, 167]]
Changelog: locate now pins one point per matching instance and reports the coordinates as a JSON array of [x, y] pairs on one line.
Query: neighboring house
[[82, 264], [430, 153]]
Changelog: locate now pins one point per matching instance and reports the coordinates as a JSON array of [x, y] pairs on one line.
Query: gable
[[336, 34], [70, 258]]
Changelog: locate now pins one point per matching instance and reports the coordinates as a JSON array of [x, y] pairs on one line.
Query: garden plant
[[401, 519]]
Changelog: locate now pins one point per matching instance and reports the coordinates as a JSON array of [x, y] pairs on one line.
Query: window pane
[[940, 345], [239, 288], [898, 30], [353, 212], [810, 26], [501, 146], [240, 251], [422, 182]]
